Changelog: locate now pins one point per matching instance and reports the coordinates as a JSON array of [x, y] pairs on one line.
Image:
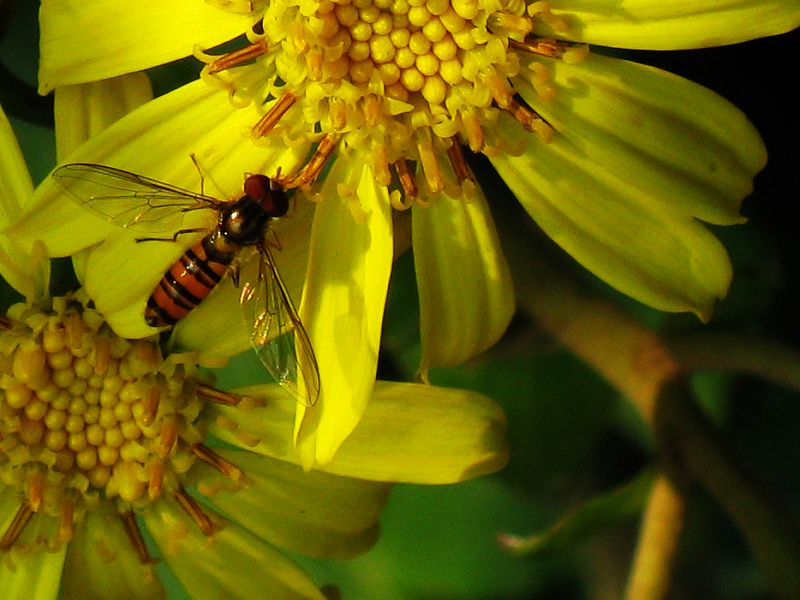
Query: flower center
[[87, 417], [397, 79]]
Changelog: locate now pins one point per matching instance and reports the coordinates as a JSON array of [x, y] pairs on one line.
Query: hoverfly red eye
[[257, 186]]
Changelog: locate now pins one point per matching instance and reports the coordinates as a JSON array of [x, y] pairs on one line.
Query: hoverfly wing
[[278, 336], [127, 199]]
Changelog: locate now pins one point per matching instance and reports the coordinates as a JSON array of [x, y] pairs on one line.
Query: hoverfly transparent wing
[[127, 199], [278, 336]]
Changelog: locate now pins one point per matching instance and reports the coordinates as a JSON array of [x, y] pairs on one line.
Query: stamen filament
[[274, 114], [407, 181], [17, 525], [238, 57], [218, 397], [135, 537], [309, 173], [208, 456], [456, 155], [193, 509]]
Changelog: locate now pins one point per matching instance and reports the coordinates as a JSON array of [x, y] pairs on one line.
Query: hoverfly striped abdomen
[[187, 282]]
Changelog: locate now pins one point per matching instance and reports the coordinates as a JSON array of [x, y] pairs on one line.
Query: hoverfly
[[131, 200]]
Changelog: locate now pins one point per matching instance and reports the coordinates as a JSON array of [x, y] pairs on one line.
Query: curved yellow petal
[[670, 24], [125, 38], [409, 433], [101, 563], [466, 295], [669, 261], [23, 266], [349, 264], [310, 513], [685, 148], [230, 563], [82, 111]]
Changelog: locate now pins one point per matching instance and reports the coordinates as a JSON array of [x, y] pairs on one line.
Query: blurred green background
[[572, 437]]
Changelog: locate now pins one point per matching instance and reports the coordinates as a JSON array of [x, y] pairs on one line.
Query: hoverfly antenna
[[196, 163]]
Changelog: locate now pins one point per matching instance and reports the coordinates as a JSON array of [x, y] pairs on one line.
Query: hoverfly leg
[[174, 238], [233, 271], [273, 241], [199, 173]]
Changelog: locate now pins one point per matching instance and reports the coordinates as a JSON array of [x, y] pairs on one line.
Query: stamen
[[274, 114], [238, 57], [150, 402], [208, 456], [193, 509], [407, 180], [135, 537], [456, 155], [510, 23], [430, 165], [17, 525], [473, 130], [541, 46], [168, 439], [225, 398], [498, 88], [529, 120], [66, 521], [309, 173], [34, 491], [155, 479]]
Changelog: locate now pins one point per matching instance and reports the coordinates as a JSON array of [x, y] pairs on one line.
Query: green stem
[[641, 365], [734, 352]]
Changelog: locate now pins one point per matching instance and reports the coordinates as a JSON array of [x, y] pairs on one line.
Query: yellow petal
[[21, 265], [82, 111], [231, 563], [125, 38], [671, 24], [669, 261], [349, 264], [101, 563], [466, 296], [36, 572], [685, 148], [409, 433], [309, 513]]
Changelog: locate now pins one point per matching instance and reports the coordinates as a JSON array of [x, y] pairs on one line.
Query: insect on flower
[[130, 200]]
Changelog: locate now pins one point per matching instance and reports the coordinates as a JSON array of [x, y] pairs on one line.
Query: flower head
[[369, 106], [114, 456]]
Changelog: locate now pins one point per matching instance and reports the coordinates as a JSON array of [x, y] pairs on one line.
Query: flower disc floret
[[86, 415]]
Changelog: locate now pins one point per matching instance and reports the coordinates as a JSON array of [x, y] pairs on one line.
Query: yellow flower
[[102, 439], [364, 106], [113, 456]]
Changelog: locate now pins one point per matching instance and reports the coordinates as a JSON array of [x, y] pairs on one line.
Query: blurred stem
[[745, 354], [640, 365], [658, 542]]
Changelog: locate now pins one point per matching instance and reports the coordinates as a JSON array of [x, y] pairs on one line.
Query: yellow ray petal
[[310, 513], [409, 433], [20, 265], [125, 38], [671, 24], [101, 563], [82, 111], [669, 261], [688, 150], [204, 564], [36, 571], [349, 263], [463, 310]]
